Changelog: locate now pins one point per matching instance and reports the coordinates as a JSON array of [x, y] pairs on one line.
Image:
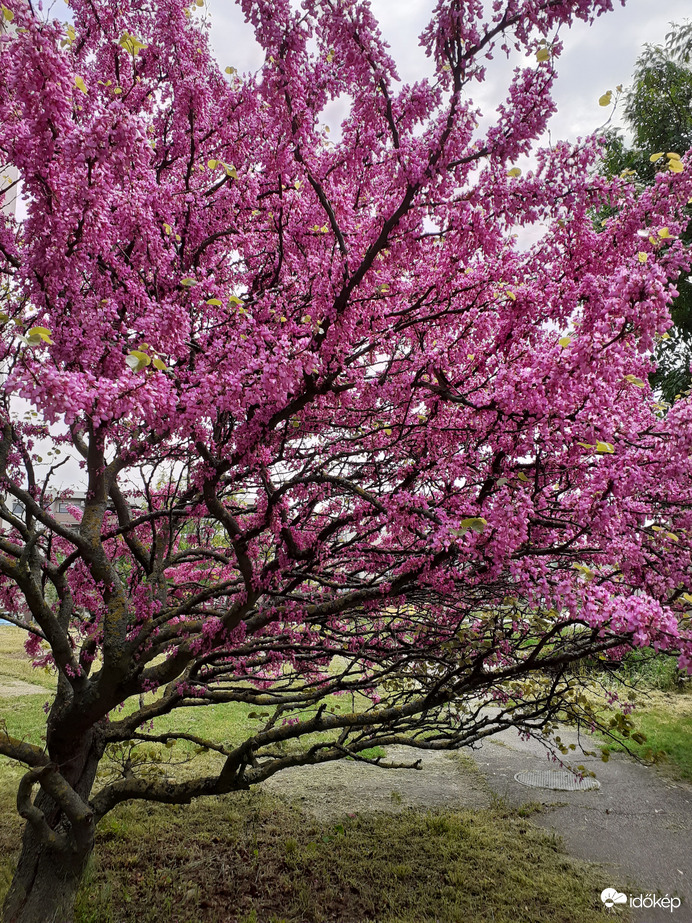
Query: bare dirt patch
[[9, 688], [330, 790]]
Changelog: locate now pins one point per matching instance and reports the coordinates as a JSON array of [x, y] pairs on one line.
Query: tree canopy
[[658, 114], [357, 456]]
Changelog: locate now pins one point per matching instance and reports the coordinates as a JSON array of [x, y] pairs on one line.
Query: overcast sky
[[596, 58]]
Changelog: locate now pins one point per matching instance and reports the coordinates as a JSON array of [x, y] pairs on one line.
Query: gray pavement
[[638, 824]]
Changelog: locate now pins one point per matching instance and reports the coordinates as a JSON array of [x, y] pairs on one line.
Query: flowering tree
[[344, 430]]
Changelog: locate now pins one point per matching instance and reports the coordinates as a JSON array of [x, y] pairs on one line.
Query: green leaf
[[159, 364], [137, 360], [606, 99], [475, 524], [79, 83], [605, 448], [7, 14], [188, 282], [131, 44], [637, 382], [565, 341], [38, 335], [214, 301]]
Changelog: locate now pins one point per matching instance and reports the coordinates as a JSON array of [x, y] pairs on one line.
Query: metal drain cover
[[555, 779]]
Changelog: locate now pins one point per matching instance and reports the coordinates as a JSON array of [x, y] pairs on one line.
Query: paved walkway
[[638, 823]]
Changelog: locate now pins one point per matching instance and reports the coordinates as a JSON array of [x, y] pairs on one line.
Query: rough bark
[[56, 844], [45, 884]]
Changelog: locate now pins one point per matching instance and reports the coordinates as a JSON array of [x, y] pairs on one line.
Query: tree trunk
[[48, 874], [45, 884]]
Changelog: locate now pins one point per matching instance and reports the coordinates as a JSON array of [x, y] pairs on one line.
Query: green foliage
[[658, 115], [645, 668], [664, 736]]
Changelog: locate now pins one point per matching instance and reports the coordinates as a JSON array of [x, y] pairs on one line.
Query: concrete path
[[639, 824]]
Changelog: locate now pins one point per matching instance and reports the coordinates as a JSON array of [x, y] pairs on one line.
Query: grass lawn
[[251, 858], [666, 721], [254, 858]]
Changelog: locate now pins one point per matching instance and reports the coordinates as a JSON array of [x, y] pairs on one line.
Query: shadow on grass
[[252, 858]]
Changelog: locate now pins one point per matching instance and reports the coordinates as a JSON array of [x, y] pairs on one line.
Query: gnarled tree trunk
[[45, 883], [58, 838]]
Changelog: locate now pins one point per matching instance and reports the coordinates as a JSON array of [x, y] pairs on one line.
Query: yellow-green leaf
[[159, 364], [188, 282], [7, 14], [214, 301], [642, 256], [676, 166], [231, 70], [233, 299], [656, 156], [474, 523], [38, 335], [543, 54], [131, 43], [79, 83], [664, 234], [606, 99], [586, 445], [137, 360], [514, 172], [522, 476], [605, 448], [671, 155], [637, 382], [565, 341], [687, 597]]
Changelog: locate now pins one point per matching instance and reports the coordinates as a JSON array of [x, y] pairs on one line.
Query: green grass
[[14, 663], [253, 857], [666, 721]]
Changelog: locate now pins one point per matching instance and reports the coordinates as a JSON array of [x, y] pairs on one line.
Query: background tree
[[340, 433], [658, 114]]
